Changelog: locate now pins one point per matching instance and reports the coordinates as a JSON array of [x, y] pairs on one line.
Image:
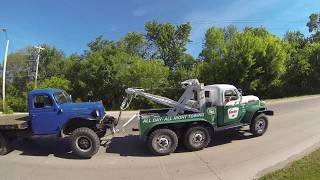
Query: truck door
[[233, 109], [44, 118]]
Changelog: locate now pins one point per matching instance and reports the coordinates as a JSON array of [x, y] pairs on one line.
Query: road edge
[[294, 157]]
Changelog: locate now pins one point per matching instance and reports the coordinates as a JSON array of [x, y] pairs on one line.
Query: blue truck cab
[[52, 110]]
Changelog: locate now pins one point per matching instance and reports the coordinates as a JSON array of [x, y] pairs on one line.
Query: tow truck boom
[[185, 103]]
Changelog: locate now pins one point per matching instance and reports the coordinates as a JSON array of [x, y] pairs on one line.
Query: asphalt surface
[[293, 131]]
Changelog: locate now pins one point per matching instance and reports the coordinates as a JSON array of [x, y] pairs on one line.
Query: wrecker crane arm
[[187, 101]]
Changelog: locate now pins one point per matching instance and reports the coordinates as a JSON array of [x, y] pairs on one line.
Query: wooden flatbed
[[11, 122]]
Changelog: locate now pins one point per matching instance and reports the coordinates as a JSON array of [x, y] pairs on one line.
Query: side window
[[230, 95], [42, 101], [207, 94]]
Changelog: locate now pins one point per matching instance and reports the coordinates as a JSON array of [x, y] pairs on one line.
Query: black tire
[[4, 145], [162, 142], [259, 125], [84, 142], [196, 138]]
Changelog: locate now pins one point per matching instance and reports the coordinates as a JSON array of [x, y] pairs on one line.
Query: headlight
[[97, 113]]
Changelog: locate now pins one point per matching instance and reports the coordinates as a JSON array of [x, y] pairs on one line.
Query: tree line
[[252, 59]]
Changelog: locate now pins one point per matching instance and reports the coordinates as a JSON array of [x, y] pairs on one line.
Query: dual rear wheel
[[165, 141]]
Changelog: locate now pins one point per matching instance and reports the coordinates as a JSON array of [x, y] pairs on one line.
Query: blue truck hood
[[82, 106], [85, 109]]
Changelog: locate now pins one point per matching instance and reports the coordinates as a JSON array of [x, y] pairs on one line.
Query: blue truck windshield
[[62, 97]]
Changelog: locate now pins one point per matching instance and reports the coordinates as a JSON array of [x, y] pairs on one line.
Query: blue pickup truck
[[52, 112]]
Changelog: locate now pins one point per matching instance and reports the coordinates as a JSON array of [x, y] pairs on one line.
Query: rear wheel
[[4, 145], [162, 142], [84, 142], [196, 138], [259, 125]]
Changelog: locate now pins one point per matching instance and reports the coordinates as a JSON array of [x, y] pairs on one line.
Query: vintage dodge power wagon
[[52, 112], [193, 119]]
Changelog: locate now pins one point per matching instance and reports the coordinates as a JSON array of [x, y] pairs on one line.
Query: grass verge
[[305, 168]]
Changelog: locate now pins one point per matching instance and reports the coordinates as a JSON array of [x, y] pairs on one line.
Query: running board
[[229, 126]]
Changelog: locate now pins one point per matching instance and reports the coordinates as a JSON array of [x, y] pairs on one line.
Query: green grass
[[306, 168]]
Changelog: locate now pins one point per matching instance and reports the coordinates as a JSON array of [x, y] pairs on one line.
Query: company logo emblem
[[233, 112], [211, 111]]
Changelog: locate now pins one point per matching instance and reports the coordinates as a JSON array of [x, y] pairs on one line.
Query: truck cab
[[50, 110], [230, 105]]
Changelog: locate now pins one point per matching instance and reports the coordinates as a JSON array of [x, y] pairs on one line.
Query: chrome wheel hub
[[84, 143], [163, 142], [260, 126], [198, 137]]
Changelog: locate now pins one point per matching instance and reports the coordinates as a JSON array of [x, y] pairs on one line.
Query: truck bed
[[15, 121]]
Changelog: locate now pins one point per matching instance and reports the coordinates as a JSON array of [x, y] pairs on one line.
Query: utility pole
[[4, 105], [39, 48]]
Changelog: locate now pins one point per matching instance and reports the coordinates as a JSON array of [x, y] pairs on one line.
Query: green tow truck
[[193, 119]]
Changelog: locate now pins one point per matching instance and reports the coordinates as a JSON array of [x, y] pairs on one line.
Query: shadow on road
[[133, 146], [227, 136], [130, 145], [44, 146]]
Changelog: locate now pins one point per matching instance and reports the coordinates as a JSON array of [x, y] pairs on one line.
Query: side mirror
[[240, 90]]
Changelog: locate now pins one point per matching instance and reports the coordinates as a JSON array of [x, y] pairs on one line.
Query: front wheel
[[196, 138], [84, 142], [162, 142], [259, 125], [4, 145]]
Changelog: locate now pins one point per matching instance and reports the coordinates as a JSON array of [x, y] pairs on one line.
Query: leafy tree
[[213, 54], [16, 99], [51, 61], [314, 22], [18, 69], [214, 46], [56, 83], [252, 59], [71, 72], [314, 26], [136, 44], [259, 62], [296, 39], [298, 67], [314, 59], [169, 40]]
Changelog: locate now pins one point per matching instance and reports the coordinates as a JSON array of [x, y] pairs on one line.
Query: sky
[[70, 25]]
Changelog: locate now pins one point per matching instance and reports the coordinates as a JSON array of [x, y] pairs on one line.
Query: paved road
[[233, 155]]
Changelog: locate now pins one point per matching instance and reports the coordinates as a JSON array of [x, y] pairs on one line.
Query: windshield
[[62, 97]]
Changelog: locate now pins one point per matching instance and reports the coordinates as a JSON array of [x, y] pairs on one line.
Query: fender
[[265, 111], [79, 121]]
